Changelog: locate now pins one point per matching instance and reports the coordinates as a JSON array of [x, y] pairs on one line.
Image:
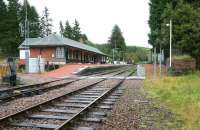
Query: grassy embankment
[[181, 95]]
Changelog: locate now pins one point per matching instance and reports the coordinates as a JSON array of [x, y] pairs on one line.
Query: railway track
[[100, 73], [64, 112], [33, 89]]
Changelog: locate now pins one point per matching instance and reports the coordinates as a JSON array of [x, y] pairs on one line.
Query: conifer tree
[[76, 31], [68, 31], [33, 20], [185, 17], [117, 40], [61, 29], [3, 26], [13, 33], [46, 23]]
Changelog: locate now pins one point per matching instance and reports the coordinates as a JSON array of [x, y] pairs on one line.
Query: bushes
[[51, 67]]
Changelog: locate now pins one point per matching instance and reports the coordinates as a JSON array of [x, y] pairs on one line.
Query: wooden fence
[[4, 69]]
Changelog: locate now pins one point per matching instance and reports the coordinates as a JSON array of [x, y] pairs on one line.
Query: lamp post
[[114, 48], [170, 46], [113, 55]]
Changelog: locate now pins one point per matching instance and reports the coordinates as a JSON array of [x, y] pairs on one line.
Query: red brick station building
[[58, 50]]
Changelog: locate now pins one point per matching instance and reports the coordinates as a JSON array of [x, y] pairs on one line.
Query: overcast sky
[[97, 17]]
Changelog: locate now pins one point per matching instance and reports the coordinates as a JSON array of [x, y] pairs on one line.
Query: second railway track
[[28, 90], [63, 112]]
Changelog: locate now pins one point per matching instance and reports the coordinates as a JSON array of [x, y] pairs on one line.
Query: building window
[[60, 52]]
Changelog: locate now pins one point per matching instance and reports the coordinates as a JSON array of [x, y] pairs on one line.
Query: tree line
[[13, 29], [116, 45], [185, 18], [73, 32]]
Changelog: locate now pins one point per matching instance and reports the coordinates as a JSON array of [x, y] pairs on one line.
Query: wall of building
[[22, 53], [73, 55], [47, 52]]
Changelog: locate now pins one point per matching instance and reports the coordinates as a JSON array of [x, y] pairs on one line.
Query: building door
[[66, 54]]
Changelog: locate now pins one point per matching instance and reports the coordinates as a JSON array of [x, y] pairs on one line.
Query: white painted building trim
[[22, 54]]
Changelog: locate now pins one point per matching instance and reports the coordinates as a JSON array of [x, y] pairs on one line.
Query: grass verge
[[181, 95], [183, 57]]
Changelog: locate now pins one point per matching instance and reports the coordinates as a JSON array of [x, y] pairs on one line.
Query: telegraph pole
[[26, 35], [160, 60], [154, 68], [170, 64], [115, 48], [113, 55]]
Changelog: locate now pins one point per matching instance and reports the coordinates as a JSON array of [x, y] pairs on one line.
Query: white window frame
[[60, 52]]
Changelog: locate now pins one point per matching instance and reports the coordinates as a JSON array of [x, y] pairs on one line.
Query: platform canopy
[[54, 40]]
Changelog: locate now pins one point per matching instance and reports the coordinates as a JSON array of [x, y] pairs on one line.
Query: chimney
[[81, 40]]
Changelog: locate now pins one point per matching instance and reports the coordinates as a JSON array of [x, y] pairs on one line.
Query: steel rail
[[67, 123], [29, 85], [5, 118], [44, 83], [7, 98]]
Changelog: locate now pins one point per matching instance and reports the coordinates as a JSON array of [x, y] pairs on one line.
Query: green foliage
[[68, 33], [136, 54], [34, 27], [3, 25], [33, 20], [117, 40], [61, 29], [76, 31], [133, 53], [183, 57], [104, 48], [180, 95], [186, 26], [46, 23], [12, 22], [157, 8], [13, 35]]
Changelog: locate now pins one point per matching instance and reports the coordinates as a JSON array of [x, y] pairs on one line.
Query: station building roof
[[54, 40]]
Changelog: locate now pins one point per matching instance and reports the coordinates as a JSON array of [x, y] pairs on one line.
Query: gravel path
[[135, 110]]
